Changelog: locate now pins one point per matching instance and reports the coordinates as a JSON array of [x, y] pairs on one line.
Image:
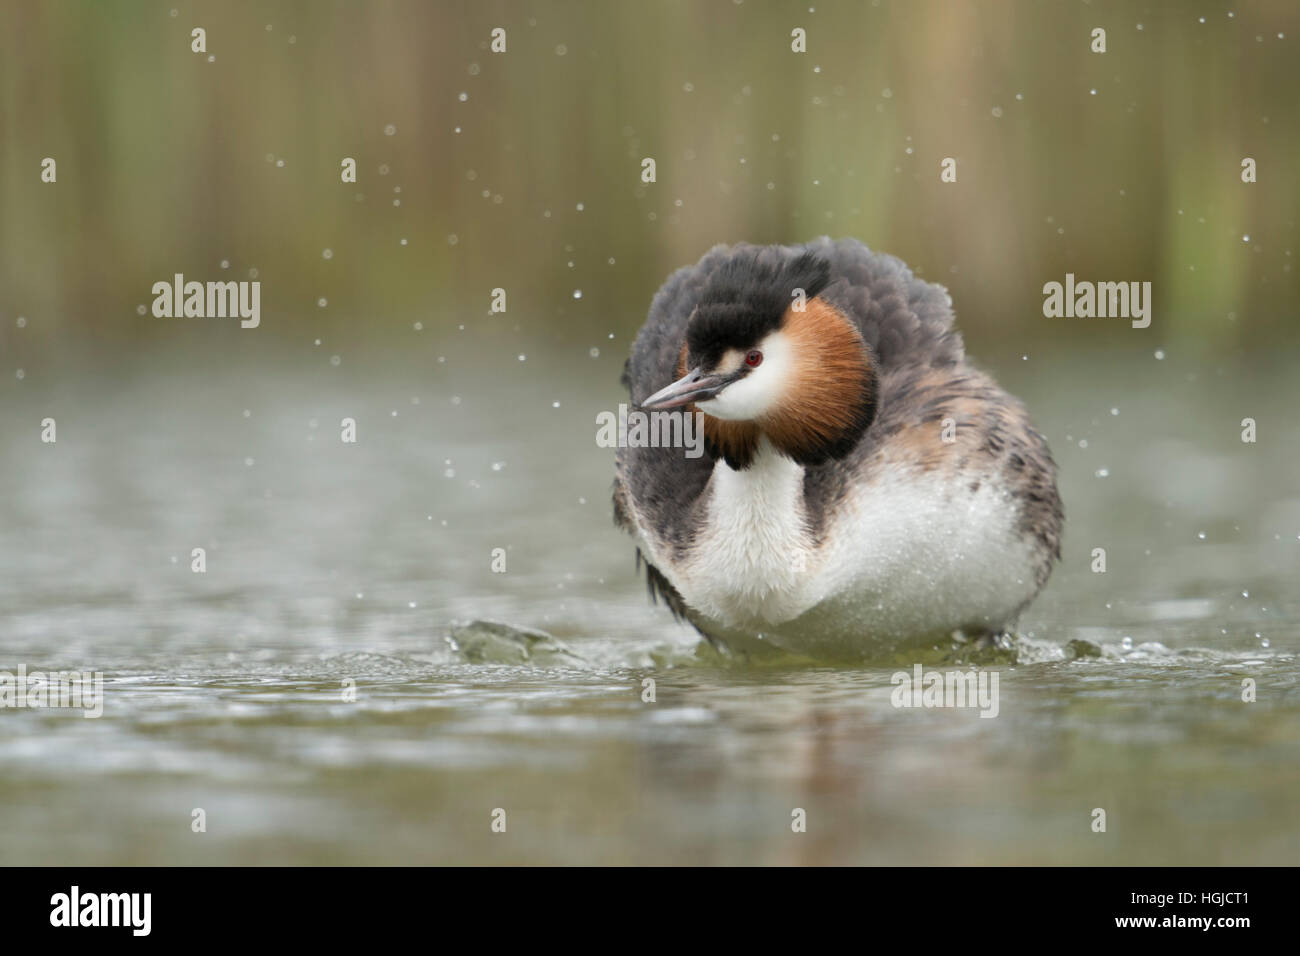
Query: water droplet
[[390, 130], [327, 254]]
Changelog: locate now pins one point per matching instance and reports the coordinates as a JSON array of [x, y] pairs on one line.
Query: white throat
[[755, 551]]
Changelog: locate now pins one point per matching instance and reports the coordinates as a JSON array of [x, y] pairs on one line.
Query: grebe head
[[766, 354]]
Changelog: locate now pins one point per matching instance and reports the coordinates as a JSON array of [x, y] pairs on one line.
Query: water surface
[[330, 563]]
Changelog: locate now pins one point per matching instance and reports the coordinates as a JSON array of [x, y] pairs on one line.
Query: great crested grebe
[[863, 485]]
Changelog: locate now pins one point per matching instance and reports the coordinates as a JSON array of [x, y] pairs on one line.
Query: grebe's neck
[[768, 492], [755, 547]]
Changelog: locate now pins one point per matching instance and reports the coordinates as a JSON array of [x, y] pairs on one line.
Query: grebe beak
[[694, 386]]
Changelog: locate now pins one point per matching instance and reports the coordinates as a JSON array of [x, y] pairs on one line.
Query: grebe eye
[[754, 358]]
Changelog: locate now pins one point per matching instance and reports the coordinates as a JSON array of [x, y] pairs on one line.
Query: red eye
[[754, 359]]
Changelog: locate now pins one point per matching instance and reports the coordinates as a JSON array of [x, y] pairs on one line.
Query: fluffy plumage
[[843, 514]]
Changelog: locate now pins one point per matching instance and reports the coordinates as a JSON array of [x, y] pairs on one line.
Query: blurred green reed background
[[521, 170]]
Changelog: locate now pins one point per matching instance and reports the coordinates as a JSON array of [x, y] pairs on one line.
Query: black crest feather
[[746, 297]]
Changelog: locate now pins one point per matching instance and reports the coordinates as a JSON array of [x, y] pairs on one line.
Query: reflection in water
[[333, 565]]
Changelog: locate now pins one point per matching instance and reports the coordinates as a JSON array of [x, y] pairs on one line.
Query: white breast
[[906, 553], [752, 557], [915, 552]]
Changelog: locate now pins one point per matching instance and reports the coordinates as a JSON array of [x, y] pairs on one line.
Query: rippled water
[[330, 563]]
